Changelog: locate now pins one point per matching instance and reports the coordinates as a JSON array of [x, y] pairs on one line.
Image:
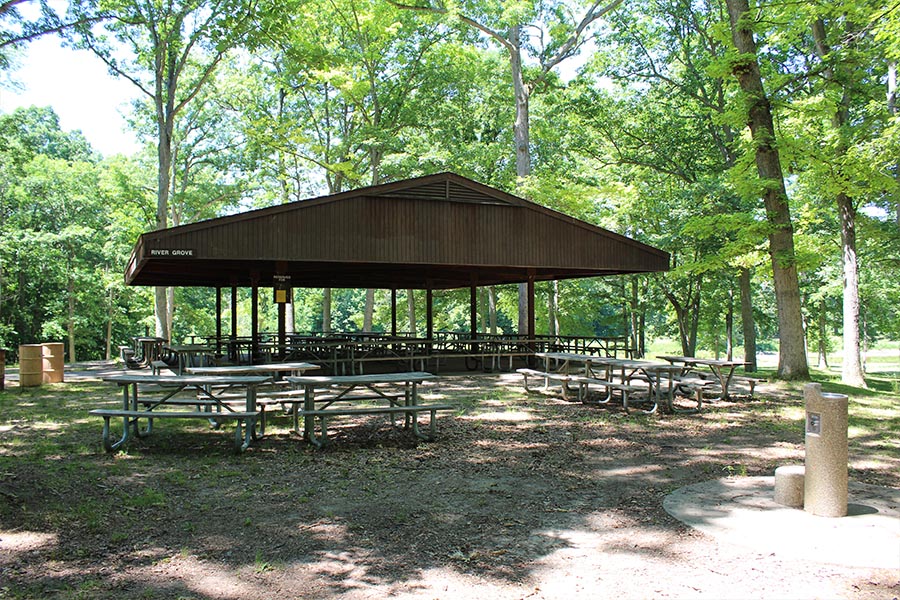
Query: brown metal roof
[[439, 231]]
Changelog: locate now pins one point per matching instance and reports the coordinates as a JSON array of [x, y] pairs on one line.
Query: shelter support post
[[282, 333], [429, 316], [531, 309], [473, 311], [394, 312], [254, 321], [218, 321], [233, 354]]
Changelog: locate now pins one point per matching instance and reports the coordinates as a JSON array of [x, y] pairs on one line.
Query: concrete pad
[[743, 511]]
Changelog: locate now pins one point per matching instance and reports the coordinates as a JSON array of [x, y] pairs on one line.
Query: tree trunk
[[165, 126], [290, 324], [492, 305], [792, 362], [553, 310], [369, 311], [729, 326], [748, 324], [636, 350], [326, 310], [892, 108], [411, 308], [865, 344], [483, 300], [823, 336], [522, 143], [170, 311], [641, 348], [687, 315], [71, 319], [851, 369], [110, 314]]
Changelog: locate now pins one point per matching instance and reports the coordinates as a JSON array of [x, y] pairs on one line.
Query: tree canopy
[[759, 144]]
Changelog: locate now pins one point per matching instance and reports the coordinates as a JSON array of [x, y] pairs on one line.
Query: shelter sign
[[173, 252], [282, 289]]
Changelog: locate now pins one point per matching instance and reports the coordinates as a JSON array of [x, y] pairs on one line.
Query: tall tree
[[23, 21], [792, 362], [169, 51], [837, 75], [560, 37], [687, 134]]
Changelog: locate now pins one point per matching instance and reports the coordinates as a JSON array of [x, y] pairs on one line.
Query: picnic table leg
[[725, 393], [670, 395], [251, 407], [724, 381], [409, 397], [308, 404], [134, 424], [648, 412], [415, 418], [412, 418], [242, 440], [108, 444]]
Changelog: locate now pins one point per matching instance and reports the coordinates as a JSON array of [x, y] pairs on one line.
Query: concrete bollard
[[825, 481], [789, 485]]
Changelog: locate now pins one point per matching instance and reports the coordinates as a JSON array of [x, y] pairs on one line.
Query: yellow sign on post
[[282, 287]]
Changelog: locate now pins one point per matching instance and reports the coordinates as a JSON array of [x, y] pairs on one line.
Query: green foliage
[[283, 100], [63, 234]]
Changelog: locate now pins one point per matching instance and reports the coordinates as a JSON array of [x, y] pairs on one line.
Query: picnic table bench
[[245, 422], [563, 378], [626, 390], [338, 388], [136, 407]]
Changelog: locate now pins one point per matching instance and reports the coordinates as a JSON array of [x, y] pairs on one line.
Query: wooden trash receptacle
[[54, 362], [31, 365]]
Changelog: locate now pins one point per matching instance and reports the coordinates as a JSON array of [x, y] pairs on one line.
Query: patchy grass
[[171, 513]]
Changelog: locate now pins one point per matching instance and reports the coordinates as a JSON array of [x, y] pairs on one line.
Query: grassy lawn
[[87, 524]]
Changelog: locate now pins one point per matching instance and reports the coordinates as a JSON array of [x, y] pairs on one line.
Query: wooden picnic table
[[134, 408], [339, 387], [723, 370]]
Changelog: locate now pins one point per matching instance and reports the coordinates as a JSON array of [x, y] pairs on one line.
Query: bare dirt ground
[[521, 496]]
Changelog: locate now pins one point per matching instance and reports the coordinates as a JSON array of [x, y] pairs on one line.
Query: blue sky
[[79, 88]]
